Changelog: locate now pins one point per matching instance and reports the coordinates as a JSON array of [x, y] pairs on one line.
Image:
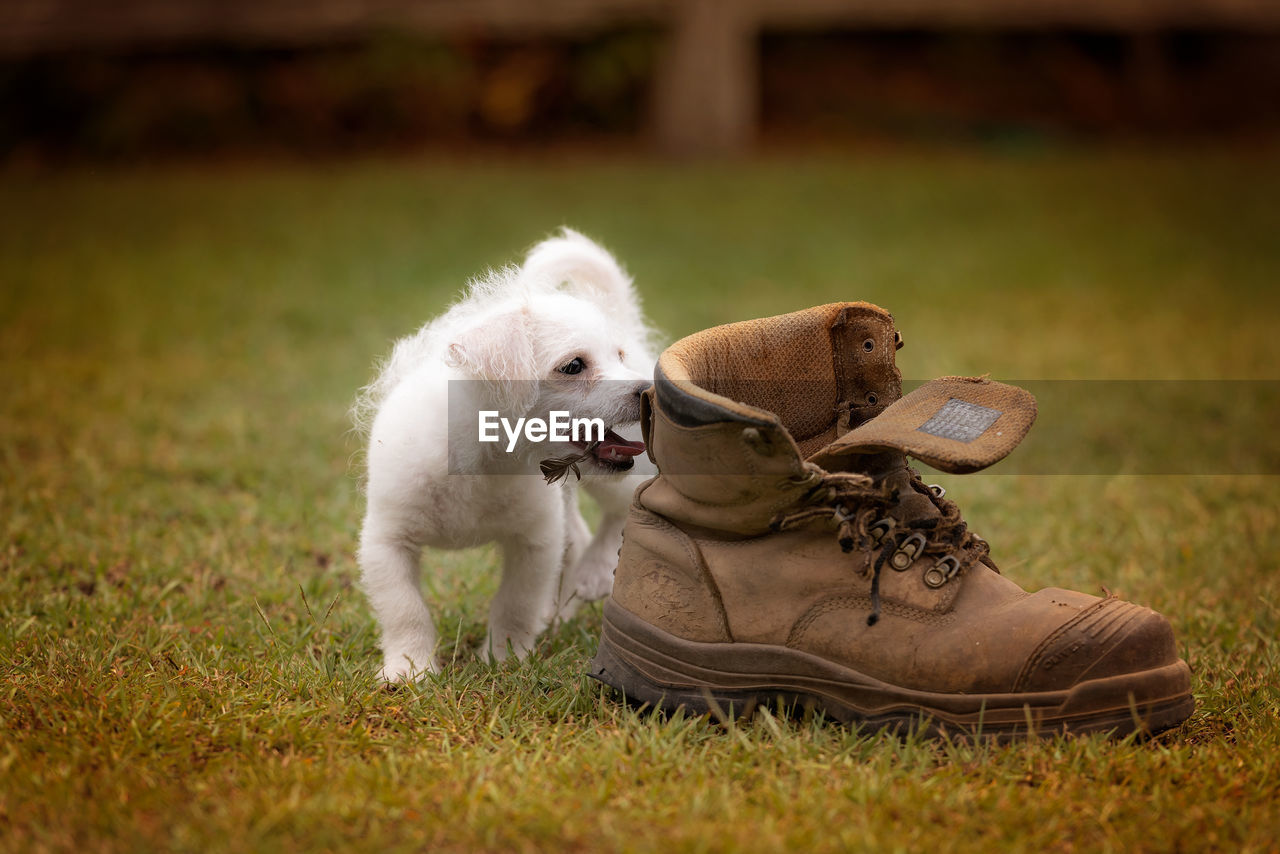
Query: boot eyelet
[[897, 340], [871, 399], [941, 572], [869, 345], [938, 490], [880, 529], [907, 551]]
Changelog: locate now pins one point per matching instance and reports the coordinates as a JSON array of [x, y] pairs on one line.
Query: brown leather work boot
[[785, 550]]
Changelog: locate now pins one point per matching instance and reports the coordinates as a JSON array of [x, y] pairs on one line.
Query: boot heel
[[611, 667]]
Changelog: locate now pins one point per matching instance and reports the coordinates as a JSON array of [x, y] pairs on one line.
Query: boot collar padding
[[816, 373]]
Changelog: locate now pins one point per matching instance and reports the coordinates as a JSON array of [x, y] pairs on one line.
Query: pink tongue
[[615, 444]]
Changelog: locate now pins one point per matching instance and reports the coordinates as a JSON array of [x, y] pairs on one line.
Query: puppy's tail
[[583, 264]]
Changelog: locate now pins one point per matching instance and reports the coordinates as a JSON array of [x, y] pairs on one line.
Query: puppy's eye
[[574, 367]]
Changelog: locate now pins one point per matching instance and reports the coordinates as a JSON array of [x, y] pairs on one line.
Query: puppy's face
[[554, 352], [594, 368]]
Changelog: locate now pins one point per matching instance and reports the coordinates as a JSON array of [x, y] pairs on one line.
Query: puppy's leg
[[389, 571], [526, 598], [591, 578], [576, 532], [577, 539]]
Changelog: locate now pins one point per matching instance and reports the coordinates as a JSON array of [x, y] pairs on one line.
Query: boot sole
[[655, 669]]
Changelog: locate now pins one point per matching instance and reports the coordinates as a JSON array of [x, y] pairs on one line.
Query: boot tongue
[[955, 424]]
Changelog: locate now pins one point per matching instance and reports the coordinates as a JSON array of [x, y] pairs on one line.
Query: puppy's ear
[[580, 265], [499, 353]]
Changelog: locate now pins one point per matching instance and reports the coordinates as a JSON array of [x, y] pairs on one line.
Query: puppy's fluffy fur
[[515, 339]]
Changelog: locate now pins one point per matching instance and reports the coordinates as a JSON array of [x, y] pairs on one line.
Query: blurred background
[[215, 215], [81, 79]]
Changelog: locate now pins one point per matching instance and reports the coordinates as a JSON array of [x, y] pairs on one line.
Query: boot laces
[[858, 507]]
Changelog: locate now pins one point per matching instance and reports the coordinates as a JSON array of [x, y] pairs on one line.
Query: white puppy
[[564, 332]]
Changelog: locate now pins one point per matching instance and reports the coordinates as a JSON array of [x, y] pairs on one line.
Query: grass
[[186, 662]]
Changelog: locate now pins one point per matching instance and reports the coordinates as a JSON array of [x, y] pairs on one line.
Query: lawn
[[187, 663]]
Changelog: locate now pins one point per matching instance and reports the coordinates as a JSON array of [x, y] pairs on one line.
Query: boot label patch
[[960, 420]]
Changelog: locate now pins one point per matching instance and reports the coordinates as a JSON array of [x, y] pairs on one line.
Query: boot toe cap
[[1111, 638], [1145, 642]]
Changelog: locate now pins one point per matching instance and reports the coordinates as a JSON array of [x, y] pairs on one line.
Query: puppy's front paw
[[590, 581], [501, 644], [408, 667], [594, 578]]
